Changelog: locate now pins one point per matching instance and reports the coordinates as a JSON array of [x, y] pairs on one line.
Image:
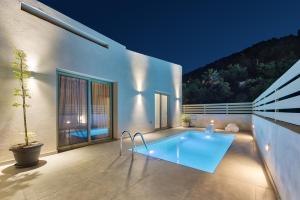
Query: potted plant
[[26, 154], [186, 120]]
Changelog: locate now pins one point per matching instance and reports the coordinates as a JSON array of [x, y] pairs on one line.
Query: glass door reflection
[[161, 111], [100, 111], [72, 109]]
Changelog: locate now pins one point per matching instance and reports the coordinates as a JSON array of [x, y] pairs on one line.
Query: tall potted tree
[[186, 120], [26, 154]]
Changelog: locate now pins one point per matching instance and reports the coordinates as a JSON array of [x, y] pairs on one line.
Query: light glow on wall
[[139, 67], [176, 73], [267, 147], [176, 76], [32, 62], [139, 99]]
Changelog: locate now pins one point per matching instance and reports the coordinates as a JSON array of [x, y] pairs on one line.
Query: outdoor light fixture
[[267, 147], [207, 136], [151, 151], [211, 127]]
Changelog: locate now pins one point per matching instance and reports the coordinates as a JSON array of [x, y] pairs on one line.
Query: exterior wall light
[[267, 147]]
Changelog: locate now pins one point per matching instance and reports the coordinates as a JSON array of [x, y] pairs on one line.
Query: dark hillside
[[244, 75]]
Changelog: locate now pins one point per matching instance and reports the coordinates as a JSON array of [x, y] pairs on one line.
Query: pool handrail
[[121, 141], [141, 135]]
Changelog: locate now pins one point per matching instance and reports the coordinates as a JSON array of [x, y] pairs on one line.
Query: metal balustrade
[[219, 108], [281, 101]]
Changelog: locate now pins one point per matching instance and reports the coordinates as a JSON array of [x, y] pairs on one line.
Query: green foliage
[[211, 87], [21, 73], [186, 118], [242, 76]]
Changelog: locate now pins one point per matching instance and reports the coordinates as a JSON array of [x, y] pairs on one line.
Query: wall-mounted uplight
[[267, 147], [139, 97], [151, 152]]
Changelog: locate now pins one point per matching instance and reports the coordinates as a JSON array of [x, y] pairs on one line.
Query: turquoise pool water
[[197, 150]]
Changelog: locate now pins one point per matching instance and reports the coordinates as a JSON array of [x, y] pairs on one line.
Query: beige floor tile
[[98, 172]]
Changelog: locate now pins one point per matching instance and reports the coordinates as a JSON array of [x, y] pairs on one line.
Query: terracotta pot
[[26, 156]]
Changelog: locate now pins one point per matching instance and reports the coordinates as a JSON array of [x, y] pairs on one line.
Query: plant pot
[[186, 124], [26, 156]]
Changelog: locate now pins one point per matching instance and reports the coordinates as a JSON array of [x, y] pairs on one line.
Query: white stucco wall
[[283, 158], [49, 47], [221, 120]]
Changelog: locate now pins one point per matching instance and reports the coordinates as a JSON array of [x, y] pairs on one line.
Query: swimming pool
[[193, 149]]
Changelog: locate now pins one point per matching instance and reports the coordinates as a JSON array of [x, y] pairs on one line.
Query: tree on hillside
[[211, 87]]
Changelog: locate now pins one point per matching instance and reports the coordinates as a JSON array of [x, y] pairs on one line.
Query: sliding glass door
[[101, 111], [84, 110], [161, 111], [72, 113], [164, 111]]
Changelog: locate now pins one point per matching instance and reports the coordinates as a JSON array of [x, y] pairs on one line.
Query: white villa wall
[[221, 120], [48, 48], [283, 158]]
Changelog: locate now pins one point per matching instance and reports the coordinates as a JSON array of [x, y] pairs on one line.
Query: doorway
[[84, 111], [161, 111]]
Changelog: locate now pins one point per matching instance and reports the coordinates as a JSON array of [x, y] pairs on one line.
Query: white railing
[[281, 101], [219, 108]]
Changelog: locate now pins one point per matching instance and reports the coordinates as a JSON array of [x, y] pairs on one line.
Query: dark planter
[[26, 156], [186, 124]]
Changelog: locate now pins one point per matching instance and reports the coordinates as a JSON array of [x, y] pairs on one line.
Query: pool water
[[198, 150]]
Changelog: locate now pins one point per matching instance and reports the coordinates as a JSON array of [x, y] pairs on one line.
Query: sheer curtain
[[72, 110], [101, 112]]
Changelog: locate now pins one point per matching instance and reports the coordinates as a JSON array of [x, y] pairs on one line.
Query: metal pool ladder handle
[[121, 141], [136, 134]]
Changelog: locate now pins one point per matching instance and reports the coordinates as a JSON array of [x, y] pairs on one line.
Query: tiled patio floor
[[98, 172]]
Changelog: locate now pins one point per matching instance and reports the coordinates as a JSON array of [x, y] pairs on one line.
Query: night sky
[[191, 33]]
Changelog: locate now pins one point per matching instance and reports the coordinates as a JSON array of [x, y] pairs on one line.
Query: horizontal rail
[[221, 108], [281, 101]]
